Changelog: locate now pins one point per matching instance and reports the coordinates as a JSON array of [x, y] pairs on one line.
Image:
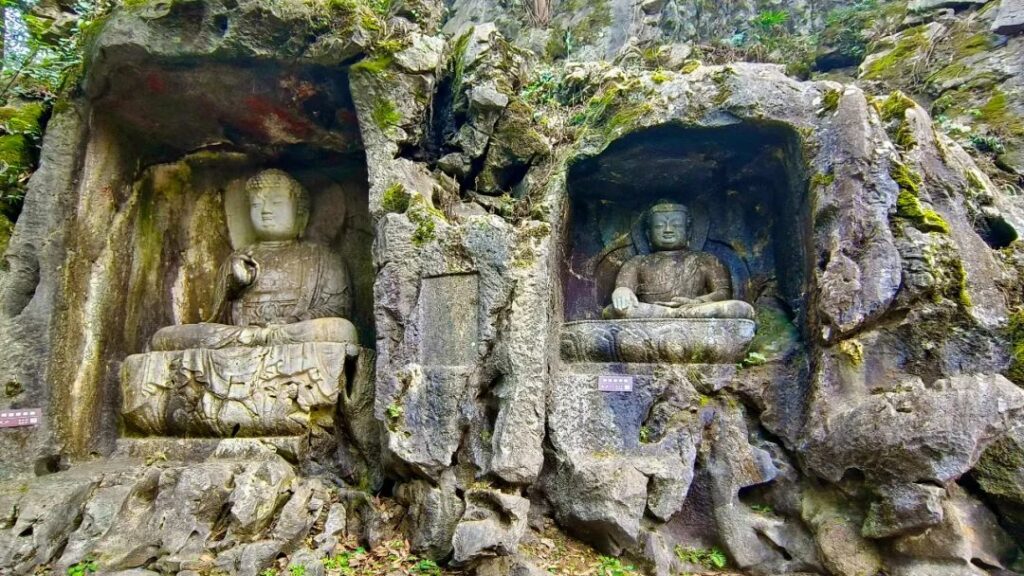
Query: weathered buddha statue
[[674, 281], [276, 353], [279, 290]]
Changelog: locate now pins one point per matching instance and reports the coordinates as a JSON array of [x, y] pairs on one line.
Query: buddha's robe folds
[[660, 277], [300, 293]]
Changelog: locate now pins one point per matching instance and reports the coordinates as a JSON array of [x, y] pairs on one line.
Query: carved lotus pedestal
[[287, 390], [673, 341]]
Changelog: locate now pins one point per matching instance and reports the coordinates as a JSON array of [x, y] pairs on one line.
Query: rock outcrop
[[871, 424]]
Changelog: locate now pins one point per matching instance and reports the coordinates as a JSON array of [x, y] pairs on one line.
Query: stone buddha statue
[[279, 290], [674, 281]]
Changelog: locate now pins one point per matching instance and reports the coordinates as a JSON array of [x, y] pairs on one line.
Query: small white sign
[[20, 417], [608, 383]]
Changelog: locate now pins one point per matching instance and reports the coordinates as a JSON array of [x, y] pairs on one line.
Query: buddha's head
[[278, 206], [667, 226]]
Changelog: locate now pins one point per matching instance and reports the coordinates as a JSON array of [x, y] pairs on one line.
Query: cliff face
[[485, 168]]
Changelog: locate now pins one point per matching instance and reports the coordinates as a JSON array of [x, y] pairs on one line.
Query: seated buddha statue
[[279, 290], [674, 281]]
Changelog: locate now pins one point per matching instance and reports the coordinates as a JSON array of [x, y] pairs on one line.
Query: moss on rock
[[897, 61], [395, 200], [895, 106], [515, 146], [999, 469], [776, 334], [830, 100], [1015, 333], [6, 230], [385, 115]]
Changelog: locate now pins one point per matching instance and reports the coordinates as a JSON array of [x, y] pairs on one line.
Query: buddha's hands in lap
[[623, 299], [679, 302], [244, 269]]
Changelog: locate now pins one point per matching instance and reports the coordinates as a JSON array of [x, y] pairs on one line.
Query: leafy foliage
[[427, 568], [87, 566], [614, 567], [345, 563], [706, 557], [42, 60], [771, 20]]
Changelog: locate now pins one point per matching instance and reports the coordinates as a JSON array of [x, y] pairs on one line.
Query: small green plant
[[659, 76], [645, 434], [427, 567], [396, 199], [614, 567], [706, 557], [269, 572], [763, 509], [343, 562], [395, 411], [87, 566], [771, 20], [385, 115], [987, 144], [753, 359], [297, 570]]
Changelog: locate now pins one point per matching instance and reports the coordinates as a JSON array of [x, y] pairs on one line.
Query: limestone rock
[[1010, 19], [969, 535], [507, 566], [492, 525], [927, 5], [236, 515], [515, 146], [918, 433], [902, 509], [860, 277], [434, 513], [334, 528], [837, 531], [603, 499], [257, 494], [756, 543], [423, 54]]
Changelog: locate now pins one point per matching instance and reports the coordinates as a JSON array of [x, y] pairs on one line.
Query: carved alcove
[[169, 149], [635, 396], [745, 186]]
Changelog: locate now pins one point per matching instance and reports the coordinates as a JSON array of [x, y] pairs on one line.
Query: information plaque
[[607, 383], [20, 417]]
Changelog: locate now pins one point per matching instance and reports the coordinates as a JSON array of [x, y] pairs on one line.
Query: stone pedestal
[[675, 341], [235, 392]]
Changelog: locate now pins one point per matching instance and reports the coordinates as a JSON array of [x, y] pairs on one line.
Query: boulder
[[492, 525], [1010, 18], [918, 432]]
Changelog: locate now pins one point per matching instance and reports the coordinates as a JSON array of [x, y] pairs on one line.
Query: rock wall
[[872, 428]]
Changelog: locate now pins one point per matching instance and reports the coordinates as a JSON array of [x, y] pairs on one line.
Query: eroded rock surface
[[867, 421]]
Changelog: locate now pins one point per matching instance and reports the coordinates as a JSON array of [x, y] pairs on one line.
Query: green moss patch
[[823, 180], [385, 115], [776, 334], [830, 100], [896, 62], [908, 205], [895, 106], [1015, 333], [6, 230], [395, 200], [375, 65]]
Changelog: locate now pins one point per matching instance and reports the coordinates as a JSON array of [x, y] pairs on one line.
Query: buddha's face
[[274, 213], [667, 230]]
